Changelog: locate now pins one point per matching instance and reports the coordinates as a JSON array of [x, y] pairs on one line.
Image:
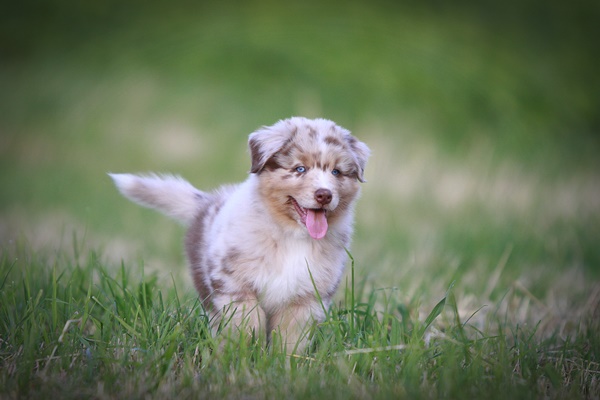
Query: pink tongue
[[316, 223]]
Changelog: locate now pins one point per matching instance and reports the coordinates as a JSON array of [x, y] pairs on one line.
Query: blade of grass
[[132, 331], [435, 312], [352, 294]]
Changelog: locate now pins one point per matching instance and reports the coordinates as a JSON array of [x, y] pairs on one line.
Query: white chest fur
[[294, 270]]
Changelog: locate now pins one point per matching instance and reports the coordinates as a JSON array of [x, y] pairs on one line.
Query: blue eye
[[336, 172], [301, 169]]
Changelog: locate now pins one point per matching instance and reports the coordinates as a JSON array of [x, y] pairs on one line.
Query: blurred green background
[[482, 117]]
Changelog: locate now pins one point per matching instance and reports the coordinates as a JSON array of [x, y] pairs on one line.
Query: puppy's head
[[308, 171]]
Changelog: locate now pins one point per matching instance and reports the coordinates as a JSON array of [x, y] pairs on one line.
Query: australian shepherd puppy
[[270, 252]]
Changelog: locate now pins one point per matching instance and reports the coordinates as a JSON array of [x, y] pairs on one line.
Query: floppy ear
[[361, 153], [267, 141]]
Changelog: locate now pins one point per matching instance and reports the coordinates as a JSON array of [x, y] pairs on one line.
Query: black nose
[[323, 196]]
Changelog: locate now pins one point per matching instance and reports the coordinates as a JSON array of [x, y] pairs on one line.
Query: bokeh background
[[483, 118]]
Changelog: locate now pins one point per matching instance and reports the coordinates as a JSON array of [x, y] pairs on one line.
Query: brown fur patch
[[217, 284], [333, 141], [231, 260], [255, 151], [194, 245]]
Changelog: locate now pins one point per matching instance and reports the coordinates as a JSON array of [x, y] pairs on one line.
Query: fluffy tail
[[168, 194]]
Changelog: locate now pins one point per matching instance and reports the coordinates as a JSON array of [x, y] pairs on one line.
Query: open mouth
[[314, 219]]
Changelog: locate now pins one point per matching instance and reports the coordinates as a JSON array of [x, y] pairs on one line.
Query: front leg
[[235, 315], [294, 322]]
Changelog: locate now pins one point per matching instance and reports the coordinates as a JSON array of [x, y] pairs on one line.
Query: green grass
[[83, 331], [482, 195]]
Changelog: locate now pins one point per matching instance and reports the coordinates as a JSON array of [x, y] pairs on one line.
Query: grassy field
[[475, 268]]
